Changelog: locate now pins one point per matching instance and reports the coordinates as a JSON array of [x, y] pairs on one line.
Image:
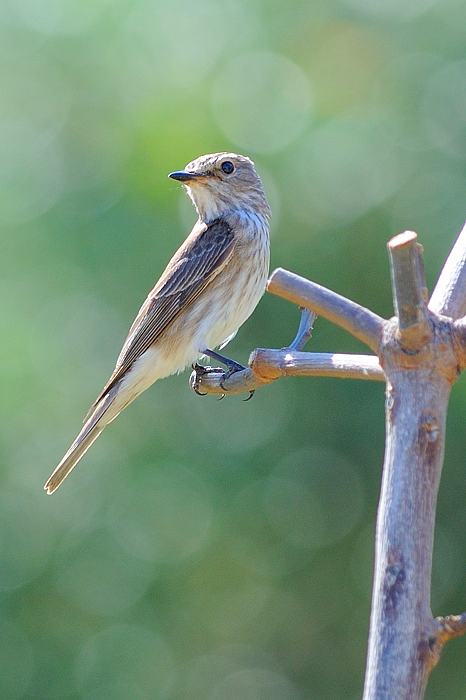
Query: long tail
[[90, 432]]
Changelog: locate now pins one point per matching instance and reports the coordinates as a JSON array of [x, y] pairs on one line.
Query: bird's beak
[[183, 176]]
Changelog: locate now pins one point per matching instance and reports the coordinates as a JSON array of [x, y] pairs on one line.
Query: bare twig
[[450, 627], [449, 295], [442, 630], [286, 363], [304, 331], [409, 291], [356, 319], [266, 365]]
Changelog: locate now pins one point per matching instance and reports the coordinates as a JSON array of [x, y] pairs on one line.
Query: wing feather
[[197, 262]]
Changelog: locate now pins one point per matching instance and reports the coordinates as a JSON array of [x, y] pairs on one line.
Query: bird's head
[[222, 182]]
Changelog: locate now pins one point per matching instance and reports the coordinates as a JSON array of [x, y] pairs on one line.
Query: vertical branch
[[420, 367], [401, 620]]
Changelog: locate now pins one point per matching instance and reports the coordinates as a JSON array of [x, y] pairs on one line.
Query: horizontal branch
[[449, 295], [283, 363], [266, 365], [356, 319]]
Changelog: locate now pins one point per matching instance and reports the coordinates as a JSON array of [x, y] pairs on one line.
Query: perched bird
[[209, 288]]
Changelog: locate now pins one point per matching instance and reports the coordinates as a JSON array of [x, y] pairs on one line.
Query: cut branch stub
[[409, 291]]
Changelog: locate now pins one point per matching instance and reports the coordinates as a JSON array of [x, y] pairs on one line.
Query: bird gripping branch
[[209, 288]]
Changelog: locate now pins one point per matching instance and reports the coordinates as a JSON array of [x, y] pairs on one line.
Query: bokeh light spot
[[262, 101], [444, 107], [254, 684], [206, 671], [161, 53], [16, 661], [343, 169], [165, 517], [131, 655], [34, 106], [232, 610], [241, 426], [314, 498], [101, 577], [26, 539], [398, 10]]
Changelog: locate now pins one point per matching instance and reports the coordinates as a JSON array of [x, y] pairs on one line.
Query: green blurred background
[[205, 550]]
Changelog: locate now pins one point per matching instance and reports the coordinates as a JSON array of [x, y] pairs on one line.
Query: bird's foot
[[231, 365], [200, 371]]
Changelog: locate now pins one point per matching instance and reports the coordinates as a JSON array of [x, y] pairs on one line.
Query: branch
[[283, 363], [459, 340], [449, 295], [355, 319], [442, 630], [409, 291], [400, 653], [305, 329], [450, 627], [404, 640], [267, 365]]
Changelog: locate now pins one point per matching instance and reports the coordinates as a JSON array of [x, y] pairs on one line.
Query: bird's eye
[[228, 167]]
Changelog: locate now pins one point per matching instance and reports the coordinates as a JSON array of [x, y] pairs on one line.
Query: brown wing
[[196, 263]]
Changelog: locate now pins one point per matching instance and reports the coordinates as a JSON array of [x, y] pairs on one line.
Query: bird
[[210, 287]]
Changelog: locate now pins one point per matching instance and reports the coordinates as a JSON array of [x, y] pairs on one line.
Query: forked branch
[[420, 354]]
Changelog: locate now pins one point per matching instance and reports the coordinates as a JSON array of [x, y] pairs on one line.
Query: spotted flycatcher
[[209, 288]]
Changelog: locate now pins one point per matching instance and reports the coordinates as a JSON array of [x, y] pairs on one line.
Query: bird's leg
[[231, 365]]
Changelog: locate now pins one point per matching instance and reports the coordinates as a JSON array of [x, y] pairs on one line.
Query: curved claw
[[251, 394], [199, 370], [222, 397]]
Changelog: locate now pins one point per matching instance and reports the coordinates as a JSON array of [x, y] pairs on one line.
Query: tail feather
[[90, 432]]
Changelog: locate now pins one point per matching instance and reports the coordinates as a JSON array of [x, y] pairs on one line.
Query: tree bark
[[402, 639]]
